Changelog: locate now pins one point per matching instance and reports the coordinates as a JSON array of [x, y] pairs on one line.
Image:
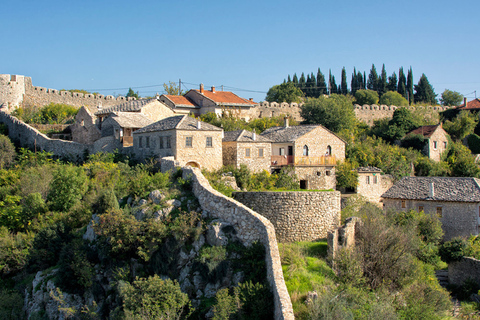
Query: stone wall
[[26, 136], [342, 237], [296, 215], [250, 227], [234, 153], [465, 269], [317, 177], [18, 91], [372, 185]]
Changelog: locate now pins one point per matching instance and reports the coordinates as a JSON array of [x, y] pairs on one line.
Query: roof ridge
[[180, 122]]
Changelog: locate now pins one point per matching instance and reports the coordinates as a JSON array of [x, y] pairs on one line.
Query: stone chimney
[[465, 102], [285, 122], [431, 190], [199, 124], [251, 99], [213, 89], [254, 136], [201, 87]]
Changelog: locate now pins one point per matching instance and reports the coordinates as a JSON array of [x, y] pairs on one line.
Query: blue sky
[[246, 46]]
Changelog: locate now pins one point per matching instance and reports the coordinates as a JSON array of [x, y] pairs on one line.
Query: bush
[[7, 152], [154, 298], [346, 175], [454, 250], [366, 97], [11, 304], [392, 98], [67, 187]]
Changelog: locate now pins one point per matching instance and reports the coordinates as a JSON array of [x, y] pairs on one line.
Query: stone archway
[[193, 164]]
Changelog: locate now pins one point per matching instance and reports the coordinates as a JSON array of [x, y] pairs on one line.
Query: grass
[[305, 269]]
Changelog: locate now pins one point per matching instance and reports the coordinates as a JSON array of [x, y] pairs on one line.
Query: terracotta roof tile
[[226, 97], [427, 131], [473, 104], [180, 100]]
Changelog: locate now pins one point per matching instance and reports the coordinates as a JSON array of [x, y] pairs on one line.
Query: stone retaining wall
[[250, 227], [465, 269], [296, 215]]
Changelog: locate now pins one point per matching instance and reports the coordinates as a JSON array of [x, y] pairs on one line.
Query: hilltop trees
[[285, 92], [366, 97], [424, 91], [392, 98], [132, 93], [451, 98]]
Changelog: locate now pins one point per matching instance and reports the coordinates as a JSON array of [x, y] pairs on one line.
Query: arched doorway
[[193, 164]]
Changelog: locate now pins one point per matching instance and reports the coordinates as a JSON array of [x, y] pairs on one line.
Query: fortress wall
[[250, 227]]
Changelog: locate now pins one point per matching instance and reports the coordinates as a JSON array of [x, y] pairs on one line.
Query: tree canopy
[[285, 92], [451, 98], [391, 98], [172, 89], [366, 97], [334, 112], [132, 93]]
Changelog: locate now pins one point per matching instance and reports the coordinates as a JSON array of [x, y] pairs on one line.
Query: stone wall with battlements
[[18, 91]]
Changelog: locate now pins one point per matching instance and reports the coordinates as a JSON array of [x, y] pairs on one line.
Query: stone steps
[[442, 277]]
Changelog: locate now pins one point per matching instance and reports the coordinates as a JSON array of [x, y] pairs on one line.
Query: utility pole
[[179, 86]]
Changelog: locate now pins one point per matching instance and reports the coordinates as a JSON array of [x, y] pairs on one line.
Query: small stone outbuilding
[[248, 148], [436, 140], [456, 201], [372, 183], [121, 126]]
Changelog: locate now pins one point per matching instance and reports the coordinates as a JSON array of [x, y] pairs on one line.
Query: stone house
[[187, 140], [372, 183], [456, 201], [85, 130], [246, 147], [312, 150], [436, 140], [121, 126], [472, 105], [204, 101]]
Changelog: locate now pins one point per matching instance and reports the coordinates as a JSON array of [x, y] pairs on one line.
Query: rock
[[215, 235], [209, 314], [158, 215], [238, 278], [198, 281], [198, 244], [156, 196], [199, 294], [229, 181], [177, 203], [186, 286], [205, 214], [129, 201], [183, 258], [90, 233], [211, 290], [142, 202], [311, 297], [166, 211], [184, 274], [140, 214]]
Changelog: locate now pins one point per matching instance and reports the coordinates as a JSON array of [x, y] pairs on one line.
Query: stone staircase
[[442, 276]]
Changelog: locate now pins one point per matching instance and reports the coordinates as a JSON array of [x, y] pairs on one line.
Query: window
[[329, 151], [319, 173], [420, 208], [260, 152], [305, 150], [209, 142], [367, 179], [328, 172], [404, 204], [445, 144], [282, 151], [147, 142], [160, 142], [169, 144], [375, 179], [434, 144], [140, 142], [439, 212], [247, 152], [188, 141]]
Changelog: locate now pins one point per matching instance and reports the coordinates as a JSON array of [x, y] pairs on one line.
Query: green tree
[[392, 82], [354, 82], [372, 82], [382, 82], [321, 84], [409, 86], [424, 91], [463, 125], [302, 82], [343, 84], [366, 97], [393, 98], [331, 83], [401, 123], [285, 92], [461, 161], [132, 93], [172, 88], [67, 187], [7, 152], [402, 83], [334, 112], [346, 175], [451, 98]]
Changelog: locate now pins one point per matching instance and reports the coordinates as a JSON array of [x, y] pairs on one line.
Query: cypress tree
[[302, 83], [321, 84], [392, 82], [343, 84], [360, 82], [364, 80], [410, 86], [372, 82], [295, 79], [424, 91], [402, 83], [288, 79], [331, 83], [354, 82], [382, 82], [313, 85]]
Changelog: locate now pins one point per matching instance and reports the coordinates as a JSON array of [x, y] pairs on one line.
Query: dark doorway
[[290, 150], [303, 184]]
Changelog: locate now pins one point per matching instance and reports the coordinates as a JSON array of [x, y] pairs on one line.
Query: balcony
[[127, 141], [304, 161]]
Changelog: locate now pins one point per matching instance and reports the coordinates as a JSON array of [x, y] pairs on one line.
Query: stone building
[[85, 130], [248, 148], [456, 201], [121, 126], [436, 140], [204, 101], [372, 183], [312, 150], [189, 141]]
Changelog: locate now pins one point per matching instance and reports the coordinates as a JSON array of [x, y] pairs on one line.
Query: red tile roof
[[179, 100], [427, 131], [225, 97], [473, 104]]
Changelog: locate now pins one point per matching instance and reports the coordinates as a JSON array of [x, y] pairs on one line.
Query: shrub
[[13, 251], [392, 98], [11, 304], [154, 298], [366, 97], [225, 305], [454, 250], [256, 300], [7, 152], [67, 187]]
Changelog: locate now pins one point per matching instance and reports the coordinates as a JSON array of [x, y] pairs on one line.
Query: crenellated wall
[[18, 91]]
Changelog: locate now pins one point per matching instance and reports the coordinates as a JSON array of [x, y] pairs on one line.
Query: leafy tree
[[321, 84], [302, 82], [401, 123], [372, 82], [382, 82], [331, 83], [392, 82], [463, 125], [402, 83], [366, 97], [285, 92], [461, 161], [67, 187], [295, 79], [346, 175], [424, 91], [343, 85], [132, 93], [172, 89], [354, 81], [334, 112], [393, 98], [451, 98], [7, 152], [409, 86]]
